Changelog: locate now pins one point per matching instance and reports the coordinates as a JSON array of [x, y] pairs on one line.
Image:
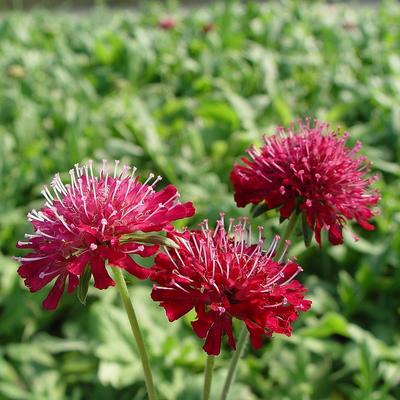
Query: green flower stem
[[243, 336], [289, 229], [208, 377], [123, 291]]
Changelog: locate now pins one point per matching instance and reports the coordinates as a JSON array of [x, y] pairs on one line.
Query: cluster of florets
[[222, 275], [309, 170], [88, 221]]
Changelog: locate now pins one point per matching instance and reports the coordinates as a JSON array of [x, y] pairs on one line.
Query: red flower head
[[311, 171], [167, 23], [222, 275], [91, 220]]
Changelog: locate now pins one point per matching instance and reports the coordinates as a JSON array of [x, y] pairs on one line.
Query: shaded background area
[[185, 103]]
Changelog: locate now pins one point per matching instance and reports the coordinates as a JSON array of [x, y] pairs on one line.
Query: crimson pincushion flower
[[222, 276], [309, 170], [91, 220]]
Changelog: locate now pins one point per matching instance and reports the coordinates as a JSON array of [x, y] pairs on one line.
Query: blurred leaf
[[331, 323]]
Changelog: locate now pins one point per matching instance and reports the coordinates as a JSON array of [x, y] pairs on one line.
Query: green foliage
[[185, 104]]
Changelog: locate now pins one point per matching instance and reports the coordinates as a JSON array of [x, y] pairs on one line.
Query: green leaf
[[259, 210], [149, 239], [331, 323], [83, 286]]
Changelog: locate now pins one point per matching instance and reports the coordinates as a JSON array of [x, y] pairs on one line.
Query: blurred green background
[[185, 103]]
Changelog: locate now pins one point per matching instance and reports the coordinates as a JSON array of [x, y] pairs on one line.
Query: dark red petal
[[335, 234], [170, 294], [124, 261], [31, 272], [176, 309], [288, 271], [78, 264], [148, 251], [318, 233], [135, 249], [227, 324], [287, 208], [212, 346], [201, 327], [164, 195], [256, 335], [163, 218], [53, 298], [364, 224], [73, 282], [88, 230], [101, 278]]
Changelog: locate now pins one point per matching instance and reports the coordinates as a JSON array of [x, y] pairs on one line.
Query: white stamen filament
[[45, 217], [103, 227], [285, 250], [254, 266], [78, 171], [58, 196], [169, 256], [130, 181], [181, 288], [29, 259], [59, 184], [140, 204], [43, 274], [47, 195], [83, 197], [73, 182], [32, 217], [149, 178], [158, 179], [116, 163], [172, 198], [117, 184], [179, 256], [21, 243], [61, 219], [273, 245], [40, 233], [31, 236]]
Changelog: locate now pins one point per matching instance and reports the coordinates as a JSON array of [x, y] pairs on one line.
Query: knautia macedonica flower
[[222, 276], [93, 219], [309, 170]]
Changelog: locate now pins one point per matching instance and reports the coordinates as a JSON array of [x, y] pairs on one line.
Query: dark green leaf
[[149, 238], [83, 286], [259, 210]]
